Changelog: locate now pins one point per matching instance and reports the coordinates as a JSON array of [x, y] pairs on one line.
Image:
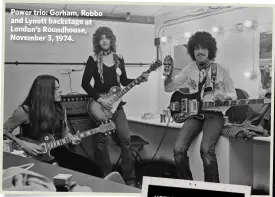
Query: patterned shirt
[[190, 75]]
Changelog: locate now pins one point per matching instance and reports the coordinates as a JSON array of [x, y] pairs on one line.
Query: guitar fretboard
[[64, 141], [136, 81], [130, 86], [226, 103]]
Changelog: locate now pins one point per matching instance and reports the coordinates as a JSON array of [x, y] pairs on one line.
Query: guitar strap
[[213, 80], [213, 75], [200, 89], [117, 65]]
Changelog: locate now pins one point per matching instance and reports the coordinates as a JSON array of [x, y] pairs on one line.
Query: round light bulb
[[247, 74], [215, 29], [163, 39], [248, 23], [187, 34]]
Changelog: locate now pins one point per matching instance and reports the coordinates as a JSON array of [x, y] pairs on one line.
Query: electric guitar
[[48, 142], [115, 94], [185, 106]]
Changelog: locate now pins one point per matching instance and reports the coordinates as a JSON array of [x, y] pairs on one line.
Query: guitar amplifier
[[81, 124], [76, 105]]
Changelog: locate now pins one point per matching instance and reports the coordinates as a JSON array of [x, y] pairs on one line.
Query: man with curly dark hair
[[202, 48], [107, 69]]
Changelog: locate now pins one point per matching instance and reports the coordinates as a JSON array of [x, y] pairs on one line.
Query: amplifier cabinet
[[86, 147], [76, 105]]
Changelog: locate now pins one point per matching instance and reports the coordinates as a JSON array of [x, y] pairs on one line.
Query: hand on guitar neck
[[74, 138], [220, 98], [144, 78]]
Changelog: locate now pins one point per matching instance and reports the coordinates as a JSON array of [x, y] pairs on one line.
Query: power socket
[[66, 70]]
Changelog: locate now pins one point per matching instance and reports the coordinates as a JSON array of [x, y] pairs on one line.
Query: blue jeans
[[212, 126], [122, 138]]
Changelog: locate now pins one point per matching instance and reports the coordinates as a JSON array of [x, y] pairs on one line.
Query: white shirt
[[190, 75]]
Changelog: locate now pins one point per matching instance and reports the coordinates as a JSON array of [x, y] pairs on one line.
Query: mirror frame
[[257, 32]]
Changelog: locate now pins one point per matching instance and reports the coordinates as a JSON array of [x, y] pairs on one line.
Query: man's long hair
[[44, 113], [109, 34], [205, 40]]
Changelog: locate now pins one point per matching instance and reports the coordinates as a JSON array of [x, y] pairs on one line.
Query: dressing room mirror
[[181, 57], [265, 57]]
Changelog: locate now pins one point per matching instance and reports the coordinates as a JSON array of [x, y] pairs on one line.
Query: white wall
[[236, 50], [134, 41]]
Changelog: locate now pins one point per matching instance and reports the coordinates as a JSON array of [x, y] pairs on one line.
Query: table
[[48, 170], [156, 121], [244, 162]]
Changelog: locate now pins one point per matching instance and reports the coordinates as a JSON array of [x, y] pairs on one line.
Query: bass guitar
[[48, 142], [115, 94], [185, 106]]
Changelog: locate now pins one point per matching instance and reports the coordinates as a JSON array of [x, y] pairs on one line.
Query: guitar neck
[[64, 141], [131, 85], [207, 105]]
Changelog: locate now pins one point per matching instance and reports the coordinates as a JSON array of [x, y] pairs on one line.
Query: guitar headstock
[[155, 65], [168, 60], [107, 127]]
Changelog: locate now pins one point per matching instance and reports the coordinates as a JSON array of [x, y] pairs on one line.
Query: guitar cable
[[169, 119], [25, 167]]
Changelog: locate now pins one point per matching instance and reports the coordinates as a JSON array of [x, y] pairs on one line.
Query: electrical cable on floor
[[169, 118]]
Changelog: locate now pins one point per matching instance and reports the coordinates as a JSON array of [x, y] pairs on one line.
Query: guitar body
[[46, 154], [48, 142], [101, 114], [180, 107]]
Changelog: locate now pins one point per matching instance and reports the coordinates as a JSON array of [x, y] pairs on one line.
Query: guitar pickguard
[[111, 96], [184, 106]]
